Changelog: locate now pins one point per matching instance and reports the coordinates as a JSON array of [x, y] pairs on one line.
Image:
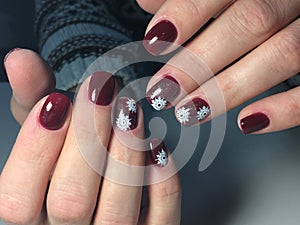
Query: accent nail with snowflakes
[[126, 114], [163, 92], [159, 153], [193, 112]]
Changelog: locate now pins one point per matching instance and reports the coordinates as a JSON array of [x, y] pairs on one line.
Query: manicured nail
[[159, 153], [160, 37], [126, 114], [11, 51], [254, 122], [101, 88], [193, 112], [163, 92], [54, 111]]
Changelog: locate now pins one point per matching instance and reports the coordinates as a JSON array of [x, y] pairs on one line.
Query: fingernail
[[126, 114], [11, 51], [163, 92], [158, 153], [254, 122], [160, 37], [101, 88], [54, 111], [193, 112]]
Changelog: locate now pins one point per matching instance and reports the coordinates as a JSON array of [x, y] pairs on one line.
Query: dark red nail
[[54, 111], [159, 153], [126, 114], [163, 92], [101, 88], [254, 122], [193, 112], [160, 37]]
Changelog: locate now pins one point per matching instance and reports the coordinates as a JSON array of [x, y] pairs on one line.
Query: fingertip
[[254, 122], [29, 75], [54, 111], [150, 6]]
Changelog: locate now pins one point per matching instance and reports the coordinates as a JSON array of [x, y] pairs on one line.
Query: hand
[[48, 178], [251, 46]]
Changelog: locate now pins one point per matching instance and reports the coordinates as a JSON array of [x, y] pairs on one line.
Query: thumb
[[30, 78]]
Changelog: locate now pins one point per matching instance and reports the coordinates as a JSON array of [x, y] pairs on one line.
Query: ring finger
[[74, 185]]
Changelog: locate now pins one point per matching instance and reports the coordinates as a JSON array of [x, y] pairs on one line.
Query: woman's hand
[[48, 178], [251, 46]]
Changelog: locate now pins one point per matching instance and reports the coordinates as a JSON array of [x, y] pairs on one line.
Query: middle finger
[[120, 199]]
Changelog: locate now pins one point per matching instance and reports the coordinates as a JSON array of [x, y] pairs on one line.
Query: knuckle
[[16, 210], [69, 203], [167, 191], [293, 106], [256, 18], [285, 51], [113, 213], [194, 8]]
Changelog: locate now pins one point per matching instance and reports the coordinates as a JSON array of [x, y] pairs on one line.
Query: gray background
[[254, 180]]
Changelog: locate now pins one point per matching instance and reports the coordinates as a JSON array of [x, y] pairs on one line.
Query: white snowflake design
[[203, 112], [162, 158], [131, 105], [123, 122], [183, 115], [159, 103]]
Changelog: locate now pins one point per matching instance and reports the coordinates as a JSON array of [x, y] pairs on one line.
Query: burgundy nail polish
[[54, 111], [101, 88], [160, 37], [158, 153], [254, 122], [163, 92], [193, 112], [126, 114]]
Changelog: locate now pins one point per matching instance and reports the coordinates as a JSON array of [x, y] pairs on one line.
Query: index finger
[[168, 25]]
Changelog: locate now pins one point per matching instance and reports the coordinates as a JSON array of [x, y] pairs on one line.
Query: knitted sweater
[[72, 34]]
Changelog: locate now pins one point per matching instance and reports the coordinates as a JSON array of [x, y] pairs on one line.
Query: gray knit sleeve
[[71, 34]]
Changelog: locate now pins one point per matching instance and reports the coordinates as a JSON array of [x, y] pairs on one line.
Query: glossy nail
[[54, 111], [254, 122], [126, 114], [101, 88], [158, 153], [160, 37], [193, 112], [163, 92]]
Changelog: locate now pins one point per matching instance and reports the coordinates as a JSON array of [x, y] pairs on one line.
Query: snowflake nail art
[[162, 158], [126, 114], [163, 92], [159, 153], [131, 105], [203, 113], [123, 122], [193, 112], [183, 115], [158, 103]]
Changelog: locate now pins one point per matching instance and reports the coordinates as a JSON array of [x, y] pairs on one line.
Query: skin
[[44, 183], [252, 46]]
